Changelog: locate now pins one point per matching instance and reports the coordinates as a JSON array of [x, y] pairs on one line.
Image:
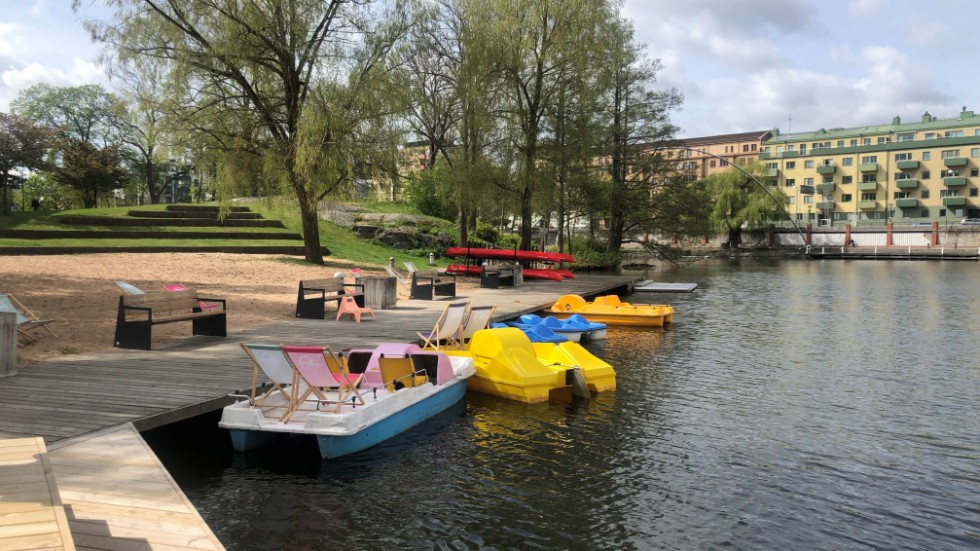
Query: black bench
[[496, 276], [313, 295], [429, 284], [139, 313]]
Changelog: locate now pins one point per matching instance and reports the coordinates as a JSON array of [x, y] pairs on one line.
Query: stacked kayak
[[510, 365], [611, 310]]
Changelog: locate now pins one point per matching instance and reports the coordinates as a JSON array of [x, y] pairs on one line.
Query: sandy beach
[[79, 293]]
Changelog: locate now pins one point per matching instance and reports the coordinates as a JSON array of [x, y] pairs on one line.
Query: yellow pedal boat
[[610, 310], [509, 365]]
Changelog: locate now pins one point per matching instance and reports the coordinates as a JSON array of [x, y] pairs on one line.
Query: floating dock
[[662, 287]]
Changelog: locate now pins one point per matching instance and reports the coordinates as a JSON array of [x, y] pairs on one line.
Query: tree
[[79, 112], [90, 170], [23, 147], [740, 201], [638, 136], [243, 74]]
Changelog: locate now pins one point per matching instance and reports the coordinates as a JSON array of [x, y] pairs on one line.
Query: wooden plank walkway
[[76, 395], [31, 512], [118, 496]]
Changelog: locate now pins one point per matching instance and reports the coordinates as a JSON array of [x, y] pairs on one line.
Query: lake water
[[793, 405]]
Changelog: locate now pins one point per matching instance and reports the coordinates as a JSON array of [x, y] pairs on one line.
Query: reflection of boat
[[508, 364], [612, 311], [391, 405], [508, 254], [575, 328]]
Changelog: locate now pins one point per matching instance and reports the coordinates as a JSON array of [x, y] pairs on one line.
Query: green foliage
[[91, 171], [52, 195], [84, 113], [593, 254], [740, 201], [486, 232], [431, 192]]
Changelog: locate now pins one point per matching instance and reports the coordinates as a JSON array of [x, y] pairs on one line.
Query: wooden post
[[8, 344], [379, 292]]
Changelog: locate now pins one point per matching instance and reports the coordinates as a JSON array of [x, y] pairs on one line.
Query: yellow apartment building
[[900, 172]]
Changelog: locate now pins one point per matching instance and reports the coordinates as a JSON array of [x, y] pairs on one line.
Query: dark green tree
[[23, 147], [92, 171]]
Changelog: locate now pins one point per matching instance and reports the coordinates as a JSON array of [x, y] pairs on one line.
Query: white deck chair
[[447, 332], [401, 280], [25, 319], [410, 266], [270, 359], [479, 318]]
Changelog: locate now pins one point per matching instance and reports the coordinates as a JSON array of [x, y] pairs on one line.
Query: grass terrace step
[[82, 220], [193, 214], [206, 208], [148, 234]]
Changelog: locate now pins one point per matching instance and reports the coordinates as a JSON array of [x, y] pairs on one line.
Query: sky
[[741, 65]]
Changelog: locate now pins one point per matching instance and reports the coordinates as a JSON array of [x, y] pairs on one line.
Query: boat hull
[[611, 311]]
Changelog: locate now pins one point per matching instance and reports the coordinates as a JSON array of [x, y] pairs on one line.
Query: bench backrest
[[434, 274], [332, 285], [164, 303]]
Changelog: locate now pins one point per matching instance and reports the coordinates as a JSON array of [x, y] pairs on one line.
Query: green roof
[[966, 118]]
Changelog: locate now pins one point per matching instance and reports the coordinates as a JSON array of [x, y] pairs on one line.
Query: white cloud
[[80, 72], [866, 8], [38, 8]]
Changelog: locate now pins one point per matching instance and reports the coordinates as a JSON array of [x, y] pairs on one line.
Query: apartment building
[[709, 155], [899, 172]]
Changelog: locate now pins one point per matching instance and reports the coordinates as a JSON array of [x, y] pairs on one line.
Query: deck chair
[[270, 360], [410, 266], [447, 331], [129, 288], [349, 306], [399, 372], [479, 317], [311, 364], [26, 320], [401, 280]]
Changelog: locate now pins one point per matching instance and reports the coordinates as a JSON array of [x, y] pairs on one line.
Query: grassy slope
[[341, 241]]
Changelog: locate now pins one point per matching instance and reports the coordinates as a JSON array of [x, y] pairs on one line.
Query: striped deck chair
[[447, 332], [26, 320]]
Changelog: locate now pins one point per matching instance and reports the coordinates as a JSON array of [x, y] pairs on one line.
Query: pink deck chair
[[321, 370], [349, 306]]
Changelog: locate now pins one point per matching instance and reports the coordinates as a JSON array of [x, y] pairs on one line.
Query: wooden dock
[[31, 512], [664, 287], [89, 409]]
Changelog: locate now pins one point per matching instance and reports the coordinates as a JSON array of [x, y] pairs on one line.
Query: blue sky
[[742, 65]]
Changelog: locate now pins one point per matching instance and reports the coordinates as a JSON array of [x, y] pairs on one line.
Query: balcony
[[868, 205], [763, 155], [953, 162], [826, 169], [954, 181], [906, 203], [908, 165], [868, 186], [868, 167], [826, 189], [908, 183], [954, 201], [825, 205], [806, 190], [771, 173]]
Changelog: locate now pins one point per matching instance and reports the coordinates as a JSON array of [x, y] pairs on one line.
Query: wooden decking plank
[[31, 514]]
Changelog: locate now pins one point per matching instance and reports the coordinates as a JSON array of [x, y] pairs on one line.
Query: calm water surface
[[794, 405]]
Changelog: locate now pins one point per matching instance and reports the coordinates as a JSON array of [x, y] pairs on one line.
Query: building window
[[840, 143], [869, 178], [847, 161], [807, 181], [903, 156], [772, 183], [974, 172], [724, 163], [828, 179], [868, 159], [926, 155], [713, 163], [869, 196], [790, 182], [846, 179], [903, 195], [973, 192], [745, 148], [930, 135], [790, 165], [866, 141], [854, 143], [883, 140], [975, 152], [790, 147], [924, 194], [808, 163], [807, 199], [772, 166], [905, 136], [954, 133], [925, 174], [845, 198], [754, 146], [903, 176], [943, 193], [950, 153]]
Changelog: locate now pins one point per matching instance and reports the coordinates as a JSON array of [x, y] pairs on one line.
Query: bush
[[486, 232]]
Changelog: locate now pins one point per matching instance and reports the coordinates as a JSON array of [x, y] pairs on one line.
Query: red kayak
[[507, 254]]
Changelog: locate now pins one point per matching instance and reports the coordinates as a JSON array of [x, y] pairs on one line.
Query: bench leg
[[422, 292], [310, 308], [133, 334], [446, 290], [216, 326]]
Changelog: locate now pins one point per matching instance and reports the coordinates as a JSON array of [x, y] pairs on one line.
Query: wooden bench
[[429, 284], [496, 276], [139, 313], [313, 294]]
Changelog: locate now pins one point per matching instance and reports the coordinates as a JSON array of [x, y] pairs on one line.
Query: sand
[[79, 293]]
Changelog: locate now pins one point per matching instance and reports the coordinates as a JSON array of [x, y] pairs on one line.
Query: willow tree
[[242, 73], [739, 201]]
